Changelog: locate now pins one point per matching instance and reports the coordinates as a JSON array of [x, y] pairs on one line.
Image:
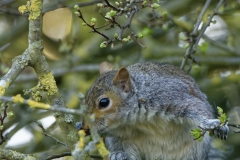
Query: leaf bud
[[124, 40], [1, 127], [103, 44], [100, 5], [155, 5], [113, 13], [93, 21], [117, 4], [10, 114], [116, 35], [144, 3], [76, 7], [164, 14], [140, 35], [77, 13], [186, 45]]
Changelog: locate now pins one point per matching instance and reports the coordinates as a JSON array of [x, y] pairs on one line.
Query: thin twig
[[102, 26], [2, 118], [235, 126], [223, 46], [111, 6], [194, 41], [127, 24], [91, 26], [200, 17], [79, 112], [58, 155], [44, 132], [190, 49]]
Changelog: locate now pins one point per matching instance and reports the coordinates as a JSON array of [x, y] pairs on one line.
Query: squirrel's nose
[[79, 126], [83, 126]]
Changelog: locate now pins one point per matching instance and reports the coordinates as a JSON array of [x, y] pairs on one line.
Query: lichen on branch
[[13, 155], [33, 104], [3, 86], [46, 83], [34, 7]]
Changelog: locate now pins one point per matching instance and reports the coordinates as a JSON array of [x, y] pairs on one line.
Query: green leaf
[[200, 139], [220, 110], [197, 134], [222, 116]]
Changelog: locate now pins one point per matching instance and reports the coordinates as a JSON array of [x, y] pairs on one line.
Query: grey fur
[[153, 120]]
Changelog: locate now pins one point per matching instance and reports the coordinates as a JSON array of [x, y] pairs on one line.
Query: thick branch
[[58, 155], [33, 57], [19, 63], [13, 155]]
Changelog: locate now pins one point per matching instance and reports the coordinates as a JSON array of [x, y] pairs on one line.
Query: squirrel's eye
[[104, 102]]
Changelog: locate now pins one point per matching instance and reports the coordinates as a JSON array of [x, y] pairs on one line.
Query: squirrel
[[147, 110]]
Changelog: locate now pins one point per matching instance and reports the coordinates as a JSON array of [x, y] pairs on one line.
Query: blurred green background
[[74, 55]]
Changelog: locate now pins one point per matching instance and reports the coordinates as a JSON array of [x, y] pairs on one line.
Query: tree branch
[[44, 132], [194, 41], [111, 6], [58, 155], [2, 118], [200, 17], [13, 155], [34, 57], [223, 46], [80, 112]]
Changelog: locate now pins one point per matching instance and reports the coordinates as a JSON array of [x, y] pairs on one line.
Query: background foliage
[[74, 54]]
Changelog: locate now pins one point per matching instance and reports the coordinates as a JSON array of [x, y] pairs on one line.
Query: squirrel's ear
[[122, 79], [104, 67]]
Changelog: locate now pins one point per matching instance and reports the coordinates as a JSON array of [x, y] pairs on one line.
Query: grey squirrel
[[147, 111]]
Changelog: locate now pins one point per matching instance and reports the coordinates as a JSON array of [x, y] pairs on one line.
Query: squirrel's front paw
[[120, 156], [222, 131], [214, 124], [210, 124]]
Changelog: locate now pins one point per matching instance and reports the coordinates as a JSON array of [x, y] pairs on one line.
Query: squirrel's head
[[108, 98]]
